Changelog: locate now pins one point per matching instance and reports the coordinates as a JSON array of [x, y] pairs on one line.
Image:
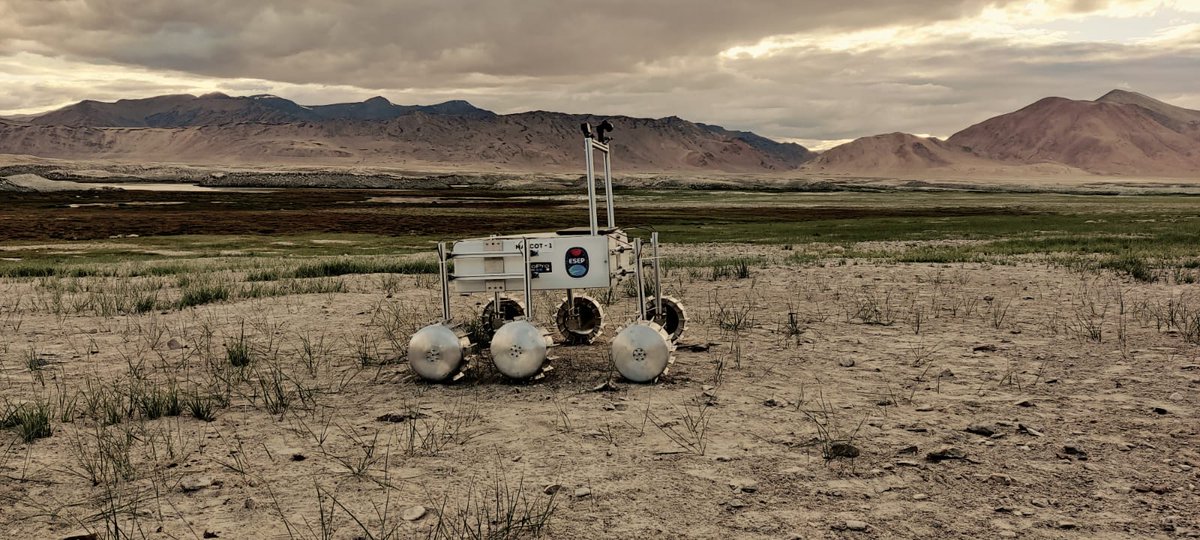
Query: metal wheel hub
[[642, 351], [519, 349], [437, 351]]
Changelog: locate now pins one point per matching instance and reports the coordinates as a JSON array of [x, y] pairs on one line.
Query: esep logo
[[577, 262]]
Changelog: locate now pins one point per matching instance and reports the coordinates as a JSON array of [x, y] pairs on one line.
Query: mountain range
[[265, 129], [1122, 133]]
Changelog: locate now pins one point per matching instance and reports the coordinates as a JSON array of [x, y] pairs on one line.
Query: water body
[[178, 187]]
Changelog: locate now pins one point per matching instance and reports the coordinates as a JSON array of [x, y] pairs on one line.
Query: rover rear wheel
[[580, 322], [673, 318]]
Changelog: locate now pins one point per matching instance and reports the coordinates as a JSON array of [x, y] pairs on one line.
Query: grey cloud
[[414, 43], [619, 57]]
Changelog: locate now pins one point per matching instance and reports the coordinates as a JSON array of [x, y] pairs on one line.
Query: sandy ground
[[1071, 437]]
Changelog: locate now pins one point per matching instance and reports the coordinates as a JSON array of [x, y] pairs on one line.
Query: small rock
[[919, 496], [1160, 410], [606, 386], [985, 348], [1158, 489], [583, 492], [723, 459], [210, 534], [250, 504], [907, 450], [841, 450], [1067, 525], [946, 453], [1025, 403], [397, 418], [413, 513], [856, 525], [1040, 503], [299, 457], [1000, 479], [1076, 451], [737, 503], [848, 362], [1028, 430], [906, 463], [981, 429], [744, 485], [191, 484], [1006, 534], [551, 489], [174, 344]]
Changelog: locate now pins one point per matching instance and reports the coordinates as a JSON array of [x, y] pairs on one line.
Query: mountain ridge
[[1121, 133], [266, 128]]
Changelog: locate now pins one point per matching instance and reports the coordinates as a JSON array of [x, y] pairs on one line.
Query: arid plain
[[881, 364]]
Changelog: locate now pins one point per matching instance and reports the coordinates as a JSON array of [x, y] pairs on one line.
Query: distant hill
[[1121, 133], [216, 128], [891, 152]]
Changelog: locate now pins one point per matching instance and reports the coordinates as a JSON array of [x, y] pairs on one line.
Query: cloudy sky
[[813, 71]]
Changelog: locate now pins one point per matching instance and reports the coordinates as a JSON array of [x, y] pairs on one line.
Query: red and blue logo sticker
[[577, 262]]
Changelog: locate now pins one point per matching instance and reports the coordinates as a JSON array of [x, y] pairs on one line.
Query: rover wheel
[[581, 323], [437, 352], [673, 318], [642, 351], [492, 319], [519, 349]]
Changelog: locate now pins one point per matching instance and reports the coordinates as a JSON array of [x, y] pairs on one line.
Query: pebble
[[946, 453], [190, 484], [737, 503], [846, 363], [174, 344], [250, 504], [1072, 449], [981, 429], [842, 450], [744, 485], [856, 525], [1067, 525], [551, 489], [919, 496], [413, 513], [583, 492]]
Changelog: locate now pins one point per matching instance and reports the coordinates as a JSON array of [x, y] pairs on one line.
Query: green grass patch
[[343, 267], [198, 295]]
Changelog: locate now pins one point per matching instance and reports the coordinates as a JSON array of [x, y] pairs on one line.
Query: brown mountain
[[216, 128], [891, 152], [1121, 133]]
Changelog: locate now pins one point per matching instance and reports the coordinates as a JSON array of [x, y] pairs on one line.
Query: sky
[[810, 71]]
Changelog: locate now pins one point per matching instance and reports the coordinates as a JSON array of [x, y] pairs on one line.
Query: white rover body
[[582, 258]]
